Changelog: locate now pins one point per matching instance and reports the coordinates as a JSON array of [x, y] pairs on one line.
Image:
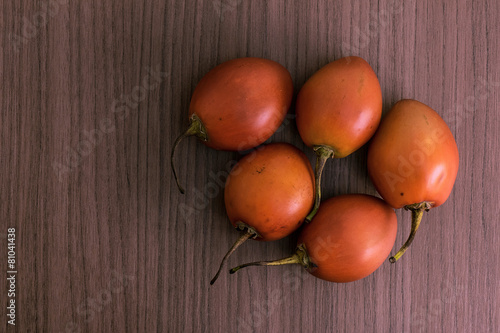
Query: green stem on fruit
[[323, 153], [197, 128], [299, 257], [417, 211], [249, 233]]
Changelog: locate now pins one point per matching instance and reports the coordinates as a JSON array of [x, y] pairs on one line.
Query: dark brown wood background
[[93, 93]]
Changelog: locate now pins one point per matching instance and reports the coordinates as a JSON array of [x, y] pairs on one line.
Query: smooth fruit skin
[[340, 106], [413, 157], [242, 102], [349, 237], [271, 190]]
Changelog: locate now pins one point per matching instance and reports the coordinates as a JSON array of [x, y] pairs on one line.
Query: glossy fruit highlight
[[347, 240], [268, 194], [238, 105], [338, 110], [413, 161]]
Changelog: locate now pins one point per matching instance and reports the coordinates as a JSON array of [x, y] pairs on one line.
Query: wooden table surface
[[93, 94]]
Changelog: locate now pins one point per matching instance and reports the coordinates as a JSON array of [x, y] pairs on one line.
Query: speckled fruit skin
[[242, 102], [271, 190]]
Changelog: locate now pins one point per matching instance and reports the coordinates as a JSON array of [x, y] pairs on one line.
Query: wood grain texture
[[93, 95]]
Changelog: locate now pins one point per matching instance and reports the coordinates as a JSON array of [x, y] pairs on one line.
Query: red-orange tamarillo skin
[[338, 110], [347, 240], [413, 160], [270, 190], [242, 102], [239, 104], [269, 193]]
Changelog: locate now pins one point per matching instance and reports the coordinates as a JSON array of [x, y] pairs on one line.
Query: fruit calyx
[[303, 257], [242, 226], [197, 128]]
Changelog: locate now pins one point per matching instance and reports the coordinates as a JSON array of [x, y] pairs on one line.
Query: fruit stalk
[[249, 233], [323, 153], [299, 257], [195, 128], [417, 211]]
